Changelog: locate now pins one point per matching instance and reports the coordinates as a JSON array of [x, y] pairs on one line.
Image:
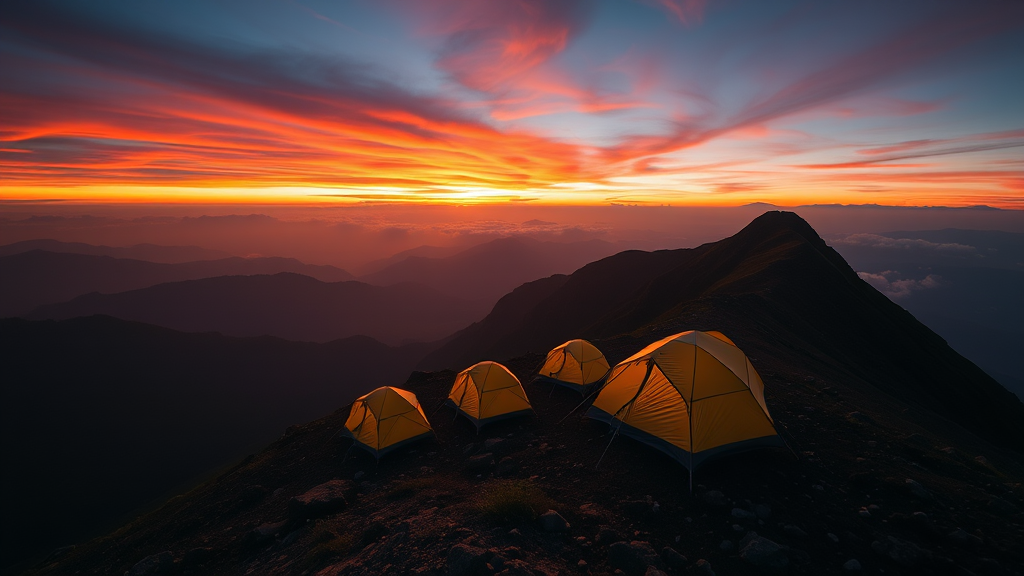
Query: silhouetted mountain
[[147, 252], [31, 279], [877, 472], [964, 284], [424, 251], [490, 270], [286, 305], [101, 416], [776, 276]]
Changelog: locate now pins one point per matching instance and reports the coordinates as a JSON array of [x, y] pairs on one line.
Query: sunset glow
[[656, 102]]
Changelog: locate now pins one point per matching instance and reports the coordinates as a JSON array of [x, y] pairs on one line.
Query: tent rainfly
[[577, 364], [386, 419], [486, 392], [693, 396]]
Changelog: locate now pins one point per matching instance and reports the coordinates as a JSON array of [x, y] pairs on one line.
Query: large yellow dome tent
[[487, 391], [693, 395], [577, 364], [386, 419]]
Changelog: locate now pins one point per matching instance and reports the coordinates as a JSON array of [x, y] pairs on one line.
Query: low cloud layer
[[888, 283], [884, 242]]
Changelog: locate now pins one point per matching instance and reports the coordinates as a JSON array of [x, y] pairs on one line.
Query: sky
[[649, 102]]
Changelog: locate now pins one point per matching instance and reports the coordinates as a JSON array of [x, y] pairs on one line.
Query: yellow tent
[[386, 419], [486, 392], [577, 364], [693, 396]]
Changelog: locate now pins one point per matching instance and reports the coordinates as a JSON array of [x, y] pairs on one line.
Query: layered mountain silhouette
[[777, 276], [37, 277], [147, 252], [101, 416], [286, 305], [490, 270], [905, 456]]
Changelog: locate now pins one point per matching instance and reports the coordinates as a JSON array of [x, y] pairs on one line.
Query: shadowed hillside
[[286, 305], [37, 277], [147, 252], [101, 416], [776, 276], [490, 270]]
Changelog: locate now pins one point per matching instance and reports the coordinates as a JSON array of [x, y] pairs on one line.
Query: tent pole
[[614, 434], [691, 475], [346, 453]]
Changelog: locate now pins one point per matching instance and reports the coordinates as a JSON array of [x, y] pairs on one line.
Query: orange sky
[[581, 103]]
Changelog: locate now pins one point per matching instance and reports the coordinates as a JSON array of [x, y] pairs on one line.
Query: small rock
[[673, 558], [592, 510], [833, 538], [495, 445], [981, 460], [655, 507], [864, 513], [904, 553], [652, 571], [518, 568], [741, 514], [737, 528], [154, 564], [464, 560], [552, 521], [703, 568], [506, 466], [917, 490], [793, 531], [763, 553], [480, 462], [715, 498], [963, 538], [254, 493], [818, 487], [358, 475], [851, 565], [469, 449], [763, 511], [1003, 507], [197, 556], [634, 557], [726, 546], [859, 417], [321, 500], [607, 535], [266, 532]]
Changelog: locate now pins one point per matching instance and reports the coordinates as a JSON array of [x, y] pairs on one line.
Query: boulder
[[319, 501], [607, 535], [465, 560], [703, 568], [480, 462], [906, 554], [154, 564], [763, 553], [852, 566], [552, 521], [633, 557], [674, 559], [715, 498]]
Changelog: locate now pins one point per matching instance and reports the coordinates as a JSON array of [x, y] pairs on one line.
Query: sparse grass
[[513, 501], [406, 488], [329, 543]]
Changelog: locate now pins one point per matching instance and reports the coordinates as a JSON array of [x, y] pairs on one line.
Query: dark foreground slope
[[100, 416], [775, 278], [873, 477], [38, 277], [942, 500], [286, 305]]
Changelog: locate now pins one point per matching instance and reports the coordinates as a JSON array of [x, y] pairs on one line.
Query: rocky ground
[[871, 485]]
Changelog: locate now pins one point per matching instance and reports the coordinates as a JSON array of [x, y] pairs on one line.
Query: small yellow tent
[[577, 364], [386, 419], [693, 396], [486, 392]]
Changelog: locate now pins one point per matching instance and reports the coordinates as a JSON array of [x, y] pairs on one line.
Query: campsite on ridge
[[873, 404]]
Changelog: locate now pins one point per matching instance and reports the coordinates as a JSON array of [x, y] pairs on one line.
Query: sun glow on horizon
[[452, 102]]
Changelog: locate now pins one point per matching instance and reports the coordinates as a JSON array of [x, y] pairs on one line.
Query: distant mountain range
[[488, 271], [904, 455], [286, 305], [147, 252], [37, 277], [776, 276], [100, 416]]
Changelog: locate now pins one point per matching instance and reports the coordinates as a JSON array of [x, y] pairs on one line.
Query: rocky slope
[[877, 479]]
